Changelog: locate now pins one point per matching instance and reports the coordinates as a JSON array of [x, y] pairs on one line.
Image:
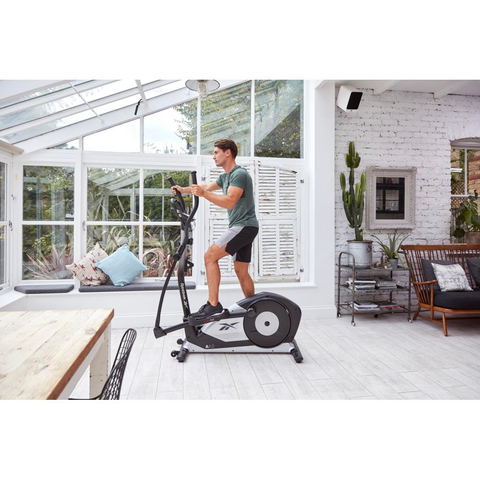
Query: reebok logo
[[226, 326]]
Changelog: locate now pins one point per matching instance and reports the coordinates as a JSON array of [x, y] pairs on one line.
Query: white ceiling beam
[[12, 88], [6, 147], [450, 87], [384, 86], [140, 90], [82, 108], [111, 119], [320, 83]]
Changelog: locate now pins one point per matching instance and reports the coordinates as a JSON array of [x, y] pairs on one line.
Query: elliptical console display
[[263, 323]]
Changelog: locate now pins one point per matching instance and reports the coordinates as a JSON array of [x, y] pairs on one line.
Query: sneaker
[[207, 310]]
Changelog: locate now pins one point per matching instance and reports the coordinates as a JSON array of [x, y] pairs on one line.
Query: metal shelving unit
[[351, 290]]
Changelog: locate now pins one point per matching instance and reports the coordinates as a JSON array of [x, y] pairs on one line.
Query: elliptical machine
[[264, 323]]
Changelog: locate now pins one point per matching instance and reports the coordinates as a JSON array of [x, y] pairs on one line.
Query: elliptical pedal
[[197, 322]]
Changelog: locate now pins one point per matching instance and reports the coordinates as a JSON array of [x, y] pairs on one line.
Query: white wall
[[403, 129]]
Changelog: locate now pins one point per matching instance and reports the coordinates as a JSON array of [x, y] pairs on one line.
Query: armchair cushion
[[474, 267], [451, 278], [458, 300], [428, 272]]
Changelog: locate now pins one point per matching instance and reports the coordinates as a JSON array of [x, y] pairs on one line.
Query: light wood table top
[[40, 351]]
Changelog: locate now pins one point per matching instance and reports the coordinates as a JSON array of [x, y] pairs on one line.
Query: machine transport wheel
[[174, 353]]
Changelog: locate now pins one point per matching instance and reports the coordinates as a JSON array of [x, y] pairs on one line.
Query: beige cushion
[[85, 269]]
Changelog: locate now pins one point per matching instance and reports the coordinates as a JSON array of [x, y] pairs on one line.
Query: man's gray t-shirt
[[243, 213]]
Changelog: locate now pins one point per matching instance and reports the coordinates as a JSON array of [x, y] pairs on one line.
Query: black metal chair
[[113, 386]]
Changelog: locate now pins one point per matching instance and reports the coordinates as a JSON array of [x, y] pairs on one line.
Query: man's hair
[[227, 144]]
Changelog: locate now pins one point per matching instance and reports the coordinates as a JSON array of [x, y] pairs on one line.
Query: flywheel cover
[[270, 326]]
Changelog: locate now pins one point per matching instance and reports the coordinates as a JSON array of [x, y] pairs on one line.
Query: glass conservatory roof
[[40, 114]]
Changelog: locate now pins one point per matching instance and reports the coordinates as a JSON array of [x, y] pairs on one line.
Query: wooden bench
[[431, 298]]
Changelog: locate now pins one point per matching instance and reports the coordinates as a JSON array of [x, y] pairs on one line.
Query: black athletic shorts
[[239, 242]]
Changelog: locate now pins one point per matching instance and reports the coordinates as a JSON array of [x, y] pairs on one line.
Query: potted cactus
[[354, 205]]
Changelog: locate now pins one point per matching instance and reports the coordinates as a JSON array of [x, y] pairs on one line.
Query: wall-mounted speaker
[[348, 98]]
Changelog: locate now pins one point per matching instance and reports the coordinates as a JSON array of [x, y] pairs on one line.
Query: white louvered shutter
[[277, 202]]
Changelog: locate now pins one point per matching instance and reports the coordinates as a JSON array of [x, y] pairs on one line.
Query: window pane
[[227, 114], [2, 254], [112, 237], [123, 138], [279, 118], [47, 127], [73, 145], [40, 93], [47, 249], [109, 89], [157, 194], [457, 164], [39, 111], [171, 87], [48, 193], [159, 245], [113, 194], [124, 102], [173, 130], [3, 191]]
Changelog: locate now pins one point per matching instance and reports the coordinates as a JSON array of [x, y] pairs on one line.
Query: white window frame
[[18, 209], [465, 174], [7, 223], [145, 162], [465, 145]]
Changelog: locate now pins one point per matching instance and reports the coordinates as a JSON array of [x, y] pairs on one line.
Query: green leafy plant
[[354, 197], [467, 218], [394, 244]]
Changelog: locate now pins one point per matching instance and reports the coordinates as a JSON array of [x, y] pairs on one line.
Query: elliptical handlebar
[[186, 227], [178, 194]]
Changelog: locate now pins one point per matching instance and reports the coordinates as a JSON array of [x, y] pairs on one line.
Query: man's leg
[[212, 256], [246, 282]]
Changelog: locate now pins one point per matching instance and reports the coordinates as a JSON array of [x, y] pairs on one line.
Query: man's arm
[[209, 187], [227, 201]]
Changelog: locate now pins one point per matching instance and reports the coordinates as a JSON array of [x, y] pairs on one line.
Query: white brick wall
[[403, 129]]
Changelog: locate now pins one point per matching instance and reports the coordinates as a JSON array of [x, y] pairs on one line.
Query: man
[[237, 241]]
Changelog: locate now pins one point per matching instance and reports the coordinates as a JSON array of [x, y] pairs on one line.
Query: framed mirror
[[390, 198]]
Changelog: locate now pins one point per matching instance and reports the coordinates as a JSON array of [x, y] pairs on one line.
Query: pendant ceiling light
[[203, 87]]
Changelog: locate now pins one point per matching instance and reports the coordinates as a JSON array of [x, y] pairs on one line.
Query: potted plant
[[354, 205], [467, 220], [391, 250]]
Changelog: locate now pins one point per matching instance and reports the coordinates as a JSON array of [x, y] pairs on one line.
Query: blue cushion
[[122, 266]]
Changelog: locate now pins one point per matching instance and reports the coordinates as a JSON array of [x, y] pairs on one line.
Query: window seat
[[32, 289], [135, 287]]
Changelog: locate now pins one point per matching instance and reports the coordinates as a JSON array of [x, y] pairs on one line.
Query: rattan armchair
[[424, 289]]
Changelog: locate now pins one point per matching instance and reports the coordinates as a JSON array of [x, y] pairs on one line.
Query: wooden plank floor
[[384, 358]]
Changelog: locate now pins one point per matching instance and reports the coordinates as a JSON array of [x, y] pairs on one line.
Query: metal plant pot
[[393, 262], [362, 251]]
